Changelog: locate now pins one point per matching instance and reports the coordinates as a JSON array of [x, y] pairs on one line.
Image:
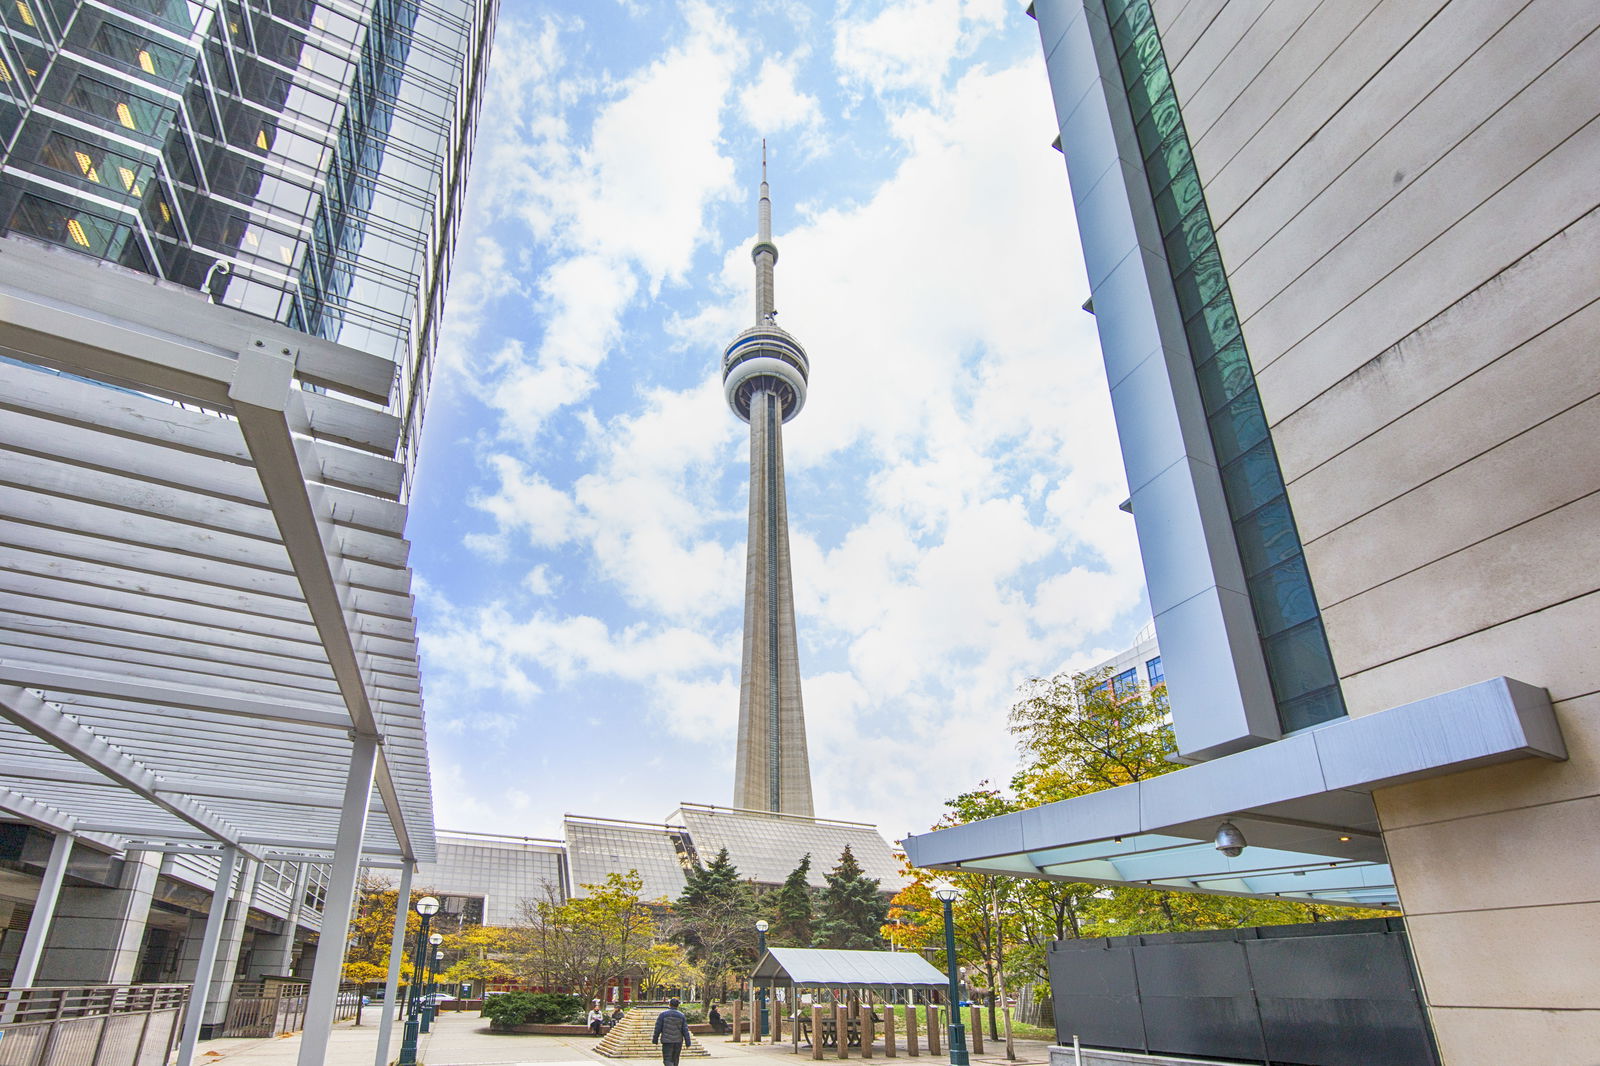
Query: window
[[1153, 671], [1299, 666], [1126, 683]]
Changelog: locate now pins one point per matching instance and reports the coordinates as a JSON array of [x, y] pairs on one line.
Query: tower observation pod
[[764, 376]]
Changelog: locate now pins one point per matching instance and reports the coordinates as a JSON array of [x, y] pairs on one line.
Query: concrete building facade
[[1341, 266]]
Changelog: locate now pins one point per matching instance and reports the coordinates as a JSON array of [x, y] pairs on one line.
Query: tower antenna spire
[[765, 253]]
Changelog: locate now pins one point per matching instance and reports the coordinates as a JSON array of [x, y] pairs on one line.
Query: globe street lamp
[[946, 893], [430, 1006], [427, 907], [761, 950]]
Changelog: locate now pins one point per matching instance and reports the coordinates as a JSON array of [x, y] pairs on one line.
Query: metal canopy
[[826, 968], [204, 597], [1303, 803]]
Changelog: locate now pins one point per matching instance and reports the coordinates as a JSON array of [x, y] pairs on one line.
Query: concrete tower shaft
[[764, 374]]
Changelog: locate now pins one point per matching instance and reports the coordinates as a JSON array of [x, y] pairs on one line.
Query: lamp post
[[430, 1006], [946, 894], [761, 950], [427, 907]]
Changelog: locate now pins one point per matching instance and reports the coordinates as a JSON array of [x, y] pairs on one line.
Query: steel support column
[[325, 973], [397, 947], [208, 956], [44, 911]]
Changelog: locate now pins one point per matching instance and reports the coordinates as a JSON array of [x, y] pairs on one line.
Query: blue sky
[[579, 516]]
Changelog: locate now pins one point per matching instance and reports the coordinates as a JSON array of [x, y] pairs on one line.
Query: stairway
[[630, 1038]]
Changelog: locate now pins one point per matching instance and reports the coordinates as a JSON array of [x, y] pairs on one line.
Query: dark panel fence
[[1323, 994], [100, 1025]]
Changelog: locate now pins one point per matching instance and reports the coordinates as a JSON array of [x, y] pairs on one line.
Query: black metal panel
[[1323, 994], [1342, 1000], [1096, 996]]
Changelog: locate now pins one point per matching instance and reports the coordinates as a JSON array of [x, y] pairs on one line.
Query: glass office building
[[299, 160]]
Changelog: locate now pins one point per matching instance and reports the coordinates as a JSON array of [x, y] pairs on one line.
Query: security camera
[[1229, 840]]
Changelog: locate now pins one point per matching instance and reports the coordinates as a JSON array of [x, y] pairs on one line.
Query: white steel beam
[[397, 947], [208, 957], [18, 673], [44, 912], [269, 410], [339, 903], [27, 711]]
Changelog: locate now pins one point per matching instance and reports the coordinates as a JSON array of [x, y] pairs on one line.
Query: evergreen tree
[[793, 927], [714, 919], [719, 880], [850, 908]]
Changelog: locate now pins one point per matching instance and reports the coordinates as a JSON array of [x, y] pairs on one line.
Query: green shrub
[[530, 1008]]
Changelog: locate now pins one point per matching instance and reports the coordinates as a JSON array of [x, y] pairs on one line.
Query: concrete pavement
[[465, 1040]]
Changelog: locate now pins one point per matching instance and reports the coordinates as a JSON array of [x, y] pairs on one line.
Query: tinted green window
[[1299, 664]]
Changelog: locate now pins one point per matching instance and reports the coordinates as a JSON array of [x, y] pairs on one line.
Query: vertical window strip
[[1288, 621]]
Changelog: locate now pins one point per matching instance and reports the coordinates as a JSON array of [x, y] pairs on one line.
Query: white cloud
[[774, 102], [953, 479], [911, 44]]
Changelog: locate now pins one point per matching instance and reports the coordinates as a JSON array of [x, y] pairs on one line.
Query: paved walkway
[[465, 1040]]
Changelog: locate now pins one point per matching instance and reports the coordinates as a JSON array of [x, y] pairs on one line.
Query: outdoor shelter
[[879, 972], [207, 641]]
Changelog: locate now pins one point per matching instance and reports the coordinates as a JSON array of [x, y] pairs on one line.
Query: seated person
[[597, 1019], [715, 1018]]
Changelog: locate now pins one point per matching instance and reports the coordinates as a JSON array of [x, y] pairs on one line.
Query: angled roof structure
[[827, 968], [597, 847], [205, 608], [767, 846], [1304, 805]]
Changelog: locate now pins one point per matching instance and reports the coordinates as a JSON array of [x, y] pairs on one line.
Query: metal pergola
[[207, 639]]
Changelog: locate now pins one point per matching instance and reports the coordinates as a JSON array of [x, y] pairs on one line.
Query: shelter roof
[[826, 967], [204, 592], [1304, 804]]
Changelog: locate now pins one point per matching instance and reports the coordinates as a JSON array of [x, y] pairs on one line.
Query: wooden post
[[841, 1030], [911, 1029], [931, 1014], [755, 1015], [777, 1020], [816, 1028], [888, 1029], [736, 1036], [868, 1035], [976, 1029]]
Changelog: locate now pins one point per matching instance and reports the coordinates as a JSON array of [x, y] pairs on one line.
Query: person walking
[[672, 1032]]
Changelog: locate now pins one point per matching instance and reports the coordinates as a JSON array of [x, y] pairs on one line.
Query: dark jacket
[[671, 1028]]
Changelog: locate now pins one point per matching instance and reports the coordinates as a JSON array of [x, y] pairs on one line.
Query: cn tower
[[764, 374]]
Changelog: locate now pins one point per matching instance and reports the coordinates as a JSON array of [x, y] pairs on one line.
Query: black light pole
[[761, 951], [427, 906], [430, 1006], [946, 894]]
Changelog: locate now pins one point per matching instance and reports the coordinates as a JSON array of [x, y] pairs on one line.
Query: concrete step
[[630, 1039]]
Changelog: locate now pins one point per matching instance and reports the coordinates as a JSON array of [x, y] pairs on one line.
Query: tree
[[719, 879], [1077, 735], [714, 920], [366, 957], [851, 910], [793, 927], [667, 965], [586, 942]]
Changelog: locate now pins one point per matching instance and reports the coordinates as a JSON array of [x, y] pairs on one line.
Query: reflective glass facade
[[302, 160], [767, 847], [600, 846], [1288, 621]]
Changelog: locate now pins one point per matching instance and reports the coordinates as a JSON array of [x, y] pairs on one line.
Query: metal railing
[[270, 1007], [95, 1025]]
